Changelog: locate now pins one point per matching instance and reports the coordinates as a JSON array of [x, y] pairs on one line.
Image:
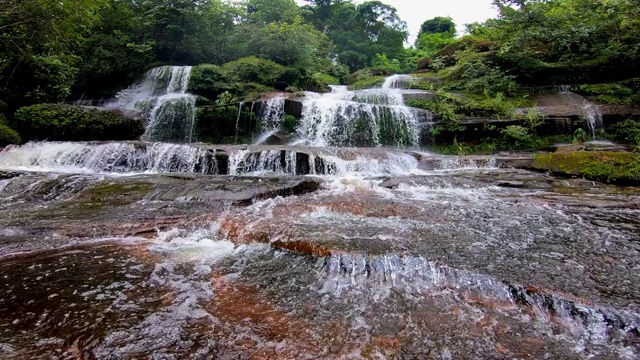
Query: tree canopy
[[54, 50]]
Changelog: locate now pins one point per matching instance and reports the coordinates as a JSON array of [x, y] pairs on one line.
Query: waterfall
[[168, 110], [372, 117], [591, 113], [593, 116], [151, 158], [398, 82], [238, 120], [271, 117], [116, 157]]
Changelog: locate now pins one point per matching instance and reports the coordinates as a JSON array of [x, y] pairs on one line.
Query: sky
[[415, 12]]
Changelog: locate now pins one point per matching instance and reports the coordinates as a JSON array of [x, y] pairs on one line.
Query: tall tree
[[38, 39]]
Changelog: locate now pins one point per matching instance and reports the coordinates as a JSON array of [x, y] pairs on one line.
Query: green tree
[[37, 43], [438, 25], [268, 11]]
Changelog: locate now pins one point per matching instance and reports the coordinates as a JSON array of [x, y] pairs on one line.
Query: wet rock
[[511, 184], [279, 138], [6, 175]]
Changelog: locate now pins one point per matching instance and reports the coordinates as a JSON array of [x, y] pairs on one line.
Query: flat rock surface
[[459, 257]]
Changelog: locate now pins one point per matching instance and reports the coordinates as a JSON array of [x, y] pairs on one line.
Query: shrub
[[8, 136], [58, 122], [627, 131], [290, 123], [253, 69], [474, 74], [207, 80], [622, 93]]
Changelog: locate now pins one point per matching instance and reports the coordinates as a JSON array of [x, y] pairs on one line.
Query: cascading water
[[384, 253], [373, 117], [593, 116], [591, 113], [168, 110], [109, 158], [271, 117], [398, 82]]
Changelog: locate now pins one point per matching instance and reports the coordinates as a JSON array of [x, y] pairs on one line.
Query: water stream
[[123, 250]]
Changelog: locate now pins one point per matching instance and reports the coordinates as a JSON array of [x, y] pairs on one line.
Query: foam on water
[[372, 117], [112, 158]]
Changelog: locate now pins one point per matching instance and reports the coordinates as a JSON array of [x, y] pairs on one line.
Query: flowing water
[[168, 110], [128, 250], [372, 117], [591, 113]]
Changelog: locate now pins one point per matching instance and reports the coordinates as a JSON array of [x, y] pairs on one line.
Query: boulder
[[278, 138]]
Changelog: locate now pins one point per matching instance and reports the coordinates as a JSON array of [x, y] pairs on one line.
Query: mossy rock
[[614, 167], [8, 136], [368, 83], [60, 122]]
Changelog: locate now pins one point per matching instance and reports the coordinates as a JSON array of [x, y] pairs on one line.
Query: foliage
[[57, 122], [253, 69], [566, 41], [380, 61], [290, 123], [438, 25], [619, 93], [431, 44], [579, 136], [35, 62], [224, 124], [359, 31], [627, 131], [8, 135], [367, 82], [208, 80], [493, 144], [474, 74], [453, 106]]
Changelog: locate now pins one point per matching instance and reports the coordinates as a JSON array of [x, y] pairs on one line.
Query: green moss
[[615, 167], [118, 194], [59, 122], [367, 83]]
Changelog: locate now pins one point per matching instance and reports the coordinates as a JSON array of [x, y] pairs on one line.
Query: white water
[[593, 116], [121, 158], [372, 117], [271, 117], [591, 113], [168, 110], [397, 82], [137, 158]]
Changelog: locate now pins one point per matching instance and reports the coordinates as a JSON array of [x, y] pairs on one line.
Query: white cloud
[[415, 12]]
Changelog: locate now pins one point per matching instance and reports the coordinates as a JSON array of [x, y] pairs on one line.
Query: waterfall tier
[[372, 117], [168, 110]]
